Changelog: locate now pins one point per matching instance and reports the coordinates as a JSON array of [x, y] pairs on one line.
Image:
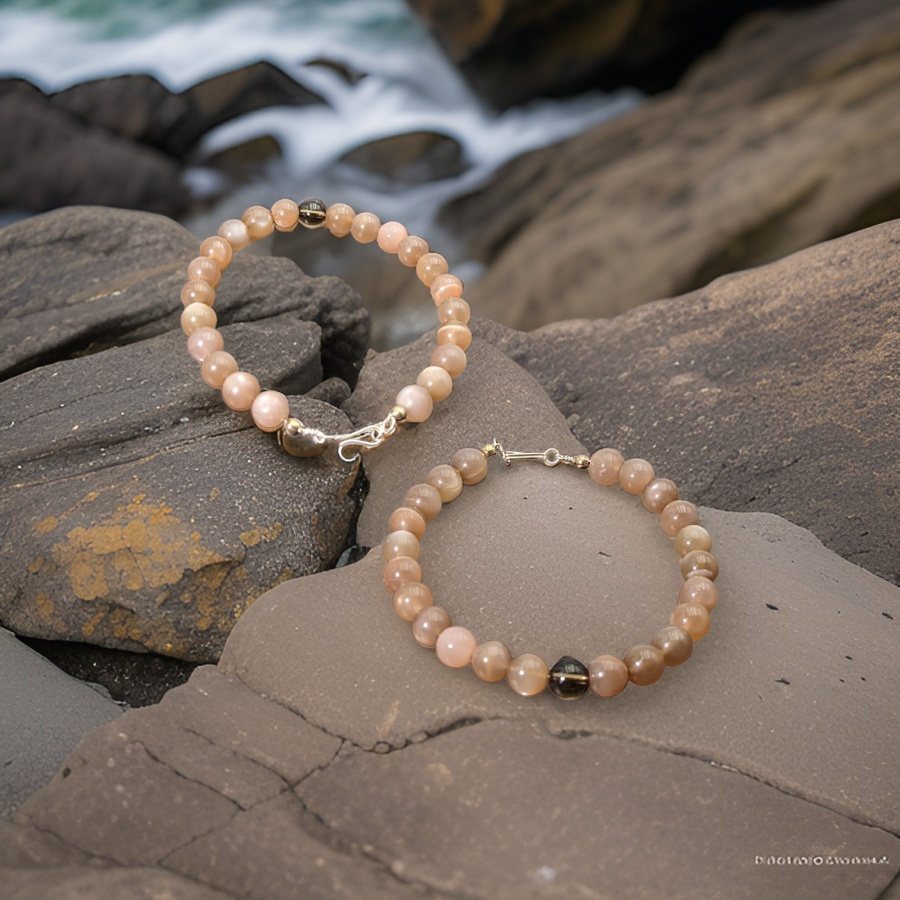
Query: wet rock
[[414, 158], [400, 777], [572, 46], [772, 389], [783, 138], [43, 714]]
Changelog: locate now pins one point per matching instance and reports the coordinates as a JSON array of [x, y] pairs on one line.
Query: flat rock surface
[[784, 137], [774, 389], [43, 714], [329, 755]]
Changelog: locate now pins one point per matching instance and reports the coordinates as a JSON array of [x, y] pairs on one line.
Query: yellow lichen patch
[[35, 567], [256, 535], [45, 607], [88, 628], [46, 525]]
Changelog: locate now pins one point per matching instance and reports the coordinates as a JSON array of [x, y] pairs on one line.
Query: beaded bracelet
[[528, 674], [269, 409]]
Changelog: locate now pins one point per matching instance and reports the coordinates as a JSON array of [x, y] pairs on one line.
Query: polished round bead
[[677, 515], [286, 214], [204, 341], [445, 286], [259, 222], [454, 333], [693, 618], [198, 292], [424, 498], [364, 227], [410, 598], [400, 543], [568, 679], [528, 675], [604, 466], [218, 250], [635, 475], [235, 232], [270, 409], [471, 465], [692, 537], [390, 235], [339, 219], [491, 660], [399, 570], [674, 643], [239, 391], [312, 213], [204, 269], [217, 367], [436, 381], [645, 664], [698, 562], [411, 249], [417, 402], [607, 675], [454, 309], [405, 518], [449, 357], [455, 646], [429, 623], [697, 589], [197, 315], [446, 480], [429, 266], [659, 494]]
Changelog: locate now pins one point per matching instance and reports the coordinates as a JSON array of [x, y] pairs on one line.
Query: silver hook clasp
[[550, 458]]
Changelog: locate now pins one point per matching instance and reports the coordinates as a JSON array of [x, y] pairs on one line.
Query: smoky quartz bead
[[569, 679], [312, 213]]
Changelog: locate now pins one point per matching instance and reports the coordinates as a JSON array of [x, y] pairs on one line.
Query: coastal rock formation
[[785, 137]]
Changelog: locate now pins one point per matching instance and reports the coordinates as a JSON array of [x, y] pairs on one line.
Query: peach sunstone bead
[[444, 287], [454, 309], [259, 222], [411, 249], [411, 598], [693, 618], [405, 518], [608, 676], [604, 467], [449, 357], [634, 475], [429, 623], [425, 499], [677, 515], [217, 367], [204, 341], [400, 570], [692, 537], [390, 235], [365, 227], [269, 410], [659, 494], [196, 316], [204, 269], [417, 401], [698, 562], [235, 232], [400, 543], [429, 266], [198, 292], [218, 250], [239, 390], [286, 215], [645, 664], [455, 646], [339, 219], [447, 481], [471, 465], [528, 674], [674, 643], [697, 589], [454, 333], [491, 661], [436, 381]]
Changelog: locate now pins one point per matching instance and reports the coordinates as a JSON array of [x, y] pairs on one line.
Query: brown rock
[[570, 46], [784, 138], [773, 389], [413, 158]]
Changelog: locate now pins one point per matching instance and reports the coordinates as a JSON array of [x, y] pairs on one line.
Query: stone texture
[[410, 159], [785, 137], [773, 389], [515, 50], [116, 277], [43, 714]]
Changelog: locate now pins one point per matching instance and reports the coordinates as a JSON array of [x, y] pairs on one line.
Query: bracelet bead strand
[[269, 409], [527, 674]]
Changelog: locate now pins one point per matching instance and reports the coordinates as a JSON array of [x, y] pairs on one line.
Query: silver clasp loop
[[366, 438], [550, 458]]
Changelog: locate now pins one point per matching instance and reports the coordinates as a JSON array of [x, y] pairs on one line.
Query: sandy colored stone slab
[[784, 137], [773, 389], [510, 809], [43, 715]]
